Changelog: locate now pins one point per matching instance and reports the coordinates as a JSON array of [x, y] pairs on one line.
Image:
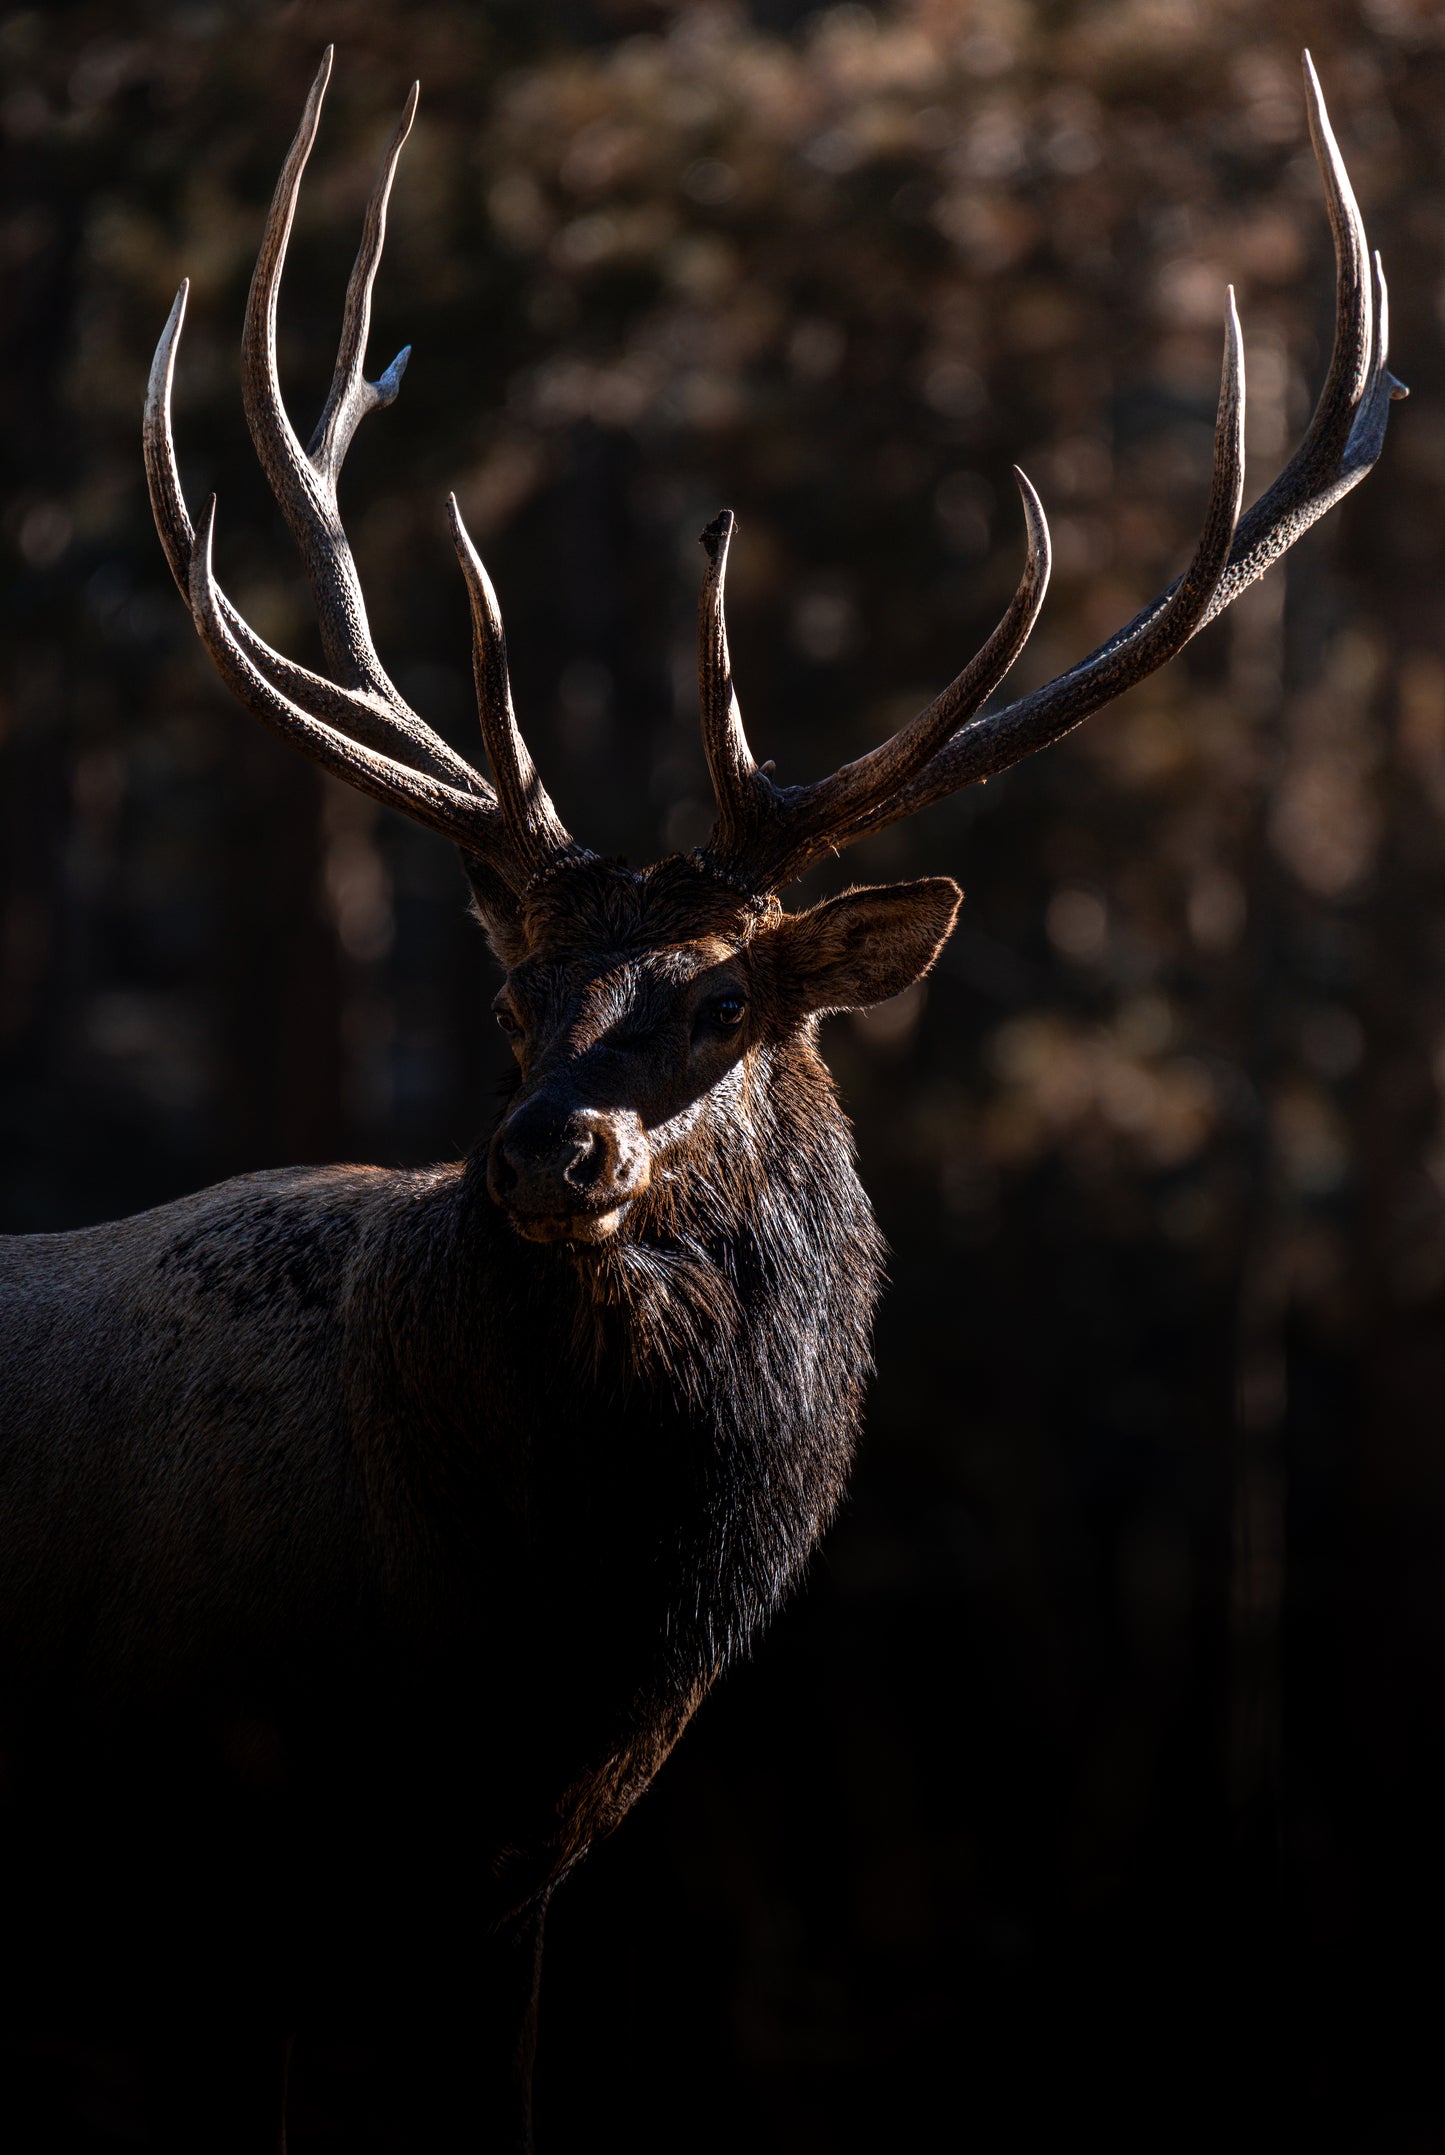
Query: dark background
[[1093, 1783]]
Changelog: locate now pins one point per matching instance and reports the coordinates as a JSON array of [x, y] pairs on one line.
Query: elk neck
[[663, 1423]]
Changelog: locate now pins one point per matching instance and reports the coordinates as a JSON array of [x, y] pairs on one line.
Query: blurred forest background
[[1094, 1783]]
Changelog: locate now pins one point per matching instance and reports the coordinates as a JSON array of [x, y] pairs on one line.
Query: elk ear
[[863, 947]]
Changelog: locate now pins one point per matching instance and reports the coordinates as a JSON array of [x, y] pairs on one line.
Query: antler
[[767, 834], [358, 726]]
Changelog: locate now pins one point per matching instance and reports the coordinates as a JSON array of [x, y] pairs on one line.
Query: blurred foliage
[[1126, 1656]]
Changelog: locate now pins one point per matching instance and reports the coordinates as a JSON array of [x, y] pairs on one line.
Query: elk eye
[[506, 1020], [727, 1011]]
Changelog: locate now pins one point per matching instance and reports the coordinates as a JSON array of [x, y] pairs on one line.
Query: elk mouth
[[576, 1227]]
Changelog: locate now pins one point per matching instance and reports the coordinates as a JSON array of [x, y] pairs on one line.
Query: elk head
[[641, 1002]]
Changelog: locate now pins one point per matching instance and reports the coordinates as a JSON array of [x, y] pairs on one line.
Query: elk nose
[[572, 1147], [548, 1157]]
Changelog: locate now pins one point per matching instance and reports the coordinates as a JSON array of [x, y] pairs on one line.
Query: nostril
[[590, 1159], [551, 1158]]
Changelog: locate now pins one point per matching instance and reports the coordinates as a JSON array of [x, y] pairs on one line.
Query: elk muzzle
[[567, 1173]]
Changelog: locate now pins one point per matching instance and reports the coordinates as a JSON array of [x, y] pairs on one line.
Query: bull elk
[[369, 1537]]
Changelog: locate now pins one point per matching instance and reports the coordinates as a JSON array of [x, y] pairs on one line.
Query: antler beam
[[357, 726], [769, 834]]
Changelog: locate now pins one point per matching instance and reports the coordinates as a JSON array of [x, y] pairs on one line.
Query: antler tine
[[348, 729], [305, 500], [1154, 636], [816, 819], [373, 711], [1349, 367], [868, 795], [470, 823], [1367, 434], [163, 477], [533, 822], [370, 719], [1342, 443], [304, 483], [1347, 428], [351, 396], [740, 790]]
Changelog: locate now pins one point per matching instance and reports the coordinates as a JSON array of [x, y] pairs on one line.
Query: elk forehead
[[624, 941], [604, 997], [600, 905]]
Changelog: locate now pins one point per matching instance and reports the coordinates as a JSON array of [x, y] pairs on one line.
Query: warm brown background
[[1112, 1716]]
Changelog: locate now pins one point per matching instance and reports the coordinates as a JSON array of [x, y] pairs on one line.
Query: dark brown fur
[[362, 1559]]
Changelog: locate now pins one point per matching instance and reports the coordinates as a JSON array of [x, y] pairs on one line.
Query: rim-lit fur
[[418, 1539]]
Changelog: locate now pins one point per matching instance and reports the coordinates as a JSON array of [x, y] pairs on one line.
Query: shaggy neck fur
[[688, 1396]]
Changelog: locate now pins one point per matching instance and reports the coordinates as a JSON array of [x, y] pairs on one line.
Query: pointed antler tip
[[176, 316], [1028, 492], [205, 530], [1036, 525], [1314, 93], [473, 567], [388, 384], [317, 92], [718, 533]]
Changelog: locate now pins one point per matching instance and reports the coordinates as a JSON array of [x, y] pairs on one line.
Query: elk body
[[368, 1537]]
